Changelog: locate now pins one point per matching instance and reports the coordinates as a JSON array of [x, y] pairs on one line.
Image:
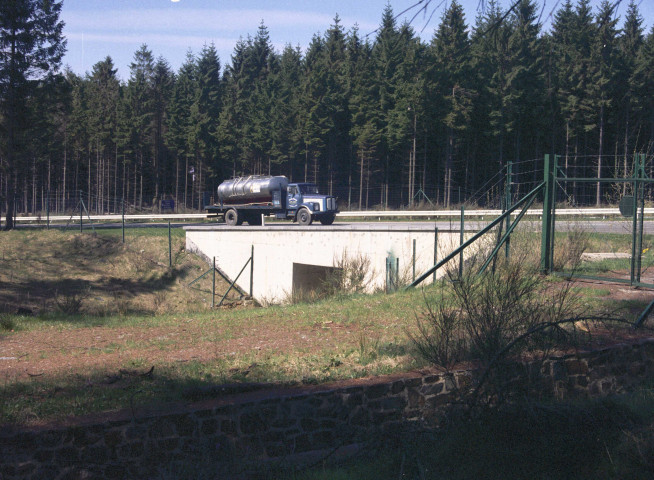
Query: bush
[[505, 311]]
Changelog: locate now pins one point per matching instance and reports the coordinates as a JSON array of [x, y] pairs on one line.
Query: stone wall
[[230, 432]]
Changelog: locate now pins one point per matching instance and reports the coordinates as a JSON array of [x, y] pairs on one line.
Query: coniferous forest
[[379, 120]]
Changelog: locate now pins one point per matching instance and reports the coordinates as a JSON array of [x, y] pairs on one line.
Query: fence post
[[546, 231], [461, 238], [213, 283], [435, 252], [252, 273], [414, 261], [507, 200], [642, 214], [634, 227], [47, 211], [123, 218], [170, 247], [81, 213]]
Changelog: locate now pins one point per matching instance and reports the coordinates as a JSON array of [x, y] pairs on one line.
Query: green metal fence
[[615, 248]]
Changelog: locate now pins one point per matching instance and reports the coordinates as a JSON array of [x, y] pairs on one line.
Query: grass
[[340, 338]]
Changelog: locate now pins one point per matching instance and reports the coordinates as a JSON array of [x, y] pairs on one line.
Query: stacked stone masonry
[[230, 433]]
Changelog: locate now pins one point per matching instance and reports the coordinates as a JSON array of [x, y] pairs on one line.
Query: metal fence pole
[[414, 261], [252, 273], [546, 229], [642, 218], [435, 252], [507, 200], [634, 227], [213, 288], [47, 211], [461, 238], [123, 220], [170, 248], [81, 216]]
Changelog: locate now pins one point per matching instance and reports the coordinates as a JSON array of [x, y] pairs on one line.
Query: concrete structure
[[290, 257]]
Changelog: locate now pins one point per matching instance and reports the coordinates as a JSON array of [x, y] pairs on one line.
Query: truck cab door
[[294, 199]]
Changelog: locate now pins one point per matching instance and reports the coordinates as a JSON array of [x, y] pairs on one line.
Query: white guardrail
[[365, 214]]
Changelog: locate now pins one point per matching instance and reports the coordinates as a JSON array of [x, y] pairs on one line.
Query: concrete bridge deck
[[289, 257]]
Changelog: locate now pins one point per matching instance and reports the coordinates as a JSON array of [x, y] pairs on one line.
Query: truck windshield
[[308, 188]]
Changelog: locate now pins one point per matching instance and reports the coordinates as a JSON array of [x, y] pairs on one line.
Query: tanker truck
[[246, 199]]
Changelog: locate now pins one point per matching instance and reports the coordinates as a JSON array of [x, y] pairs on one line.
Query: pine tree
[[205, 112], [603, 86], [451, 74], [103, 94], [32, 44]]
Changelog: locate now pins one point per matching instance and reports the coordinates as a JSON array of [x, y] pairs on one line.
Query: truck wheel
[[327, 219], [304, 217], [232, 218]]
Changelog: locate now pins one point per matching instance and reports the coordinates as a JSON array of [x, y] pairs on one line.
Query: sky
[[96, 29]]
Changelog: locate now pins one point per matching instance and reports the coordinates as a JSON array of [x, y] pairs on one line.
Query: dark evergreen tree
[[32, 44]]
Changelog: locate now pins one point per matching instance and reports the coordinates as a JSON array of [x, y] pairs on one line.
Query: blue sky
[[97, 28]]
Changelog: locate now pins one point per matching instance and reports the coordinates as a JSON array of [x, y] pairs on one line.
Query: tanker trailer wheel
[[304, 217], [327, 219], [232, 218]]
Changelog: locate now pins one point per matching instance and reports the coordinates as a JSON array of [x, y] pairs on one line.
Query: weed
[[70, 303], [7, 322]]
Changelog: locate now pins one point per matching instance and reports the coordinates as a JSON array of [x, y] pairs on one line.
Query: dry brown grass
[[54, 271]]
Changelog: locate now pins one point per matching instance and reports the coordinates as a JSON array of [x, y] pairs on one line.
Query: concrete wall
[[232, 434], [277, 248]]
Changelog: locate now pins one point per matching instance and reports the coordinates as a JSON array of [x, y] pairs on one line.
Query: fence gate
[[616, 247]]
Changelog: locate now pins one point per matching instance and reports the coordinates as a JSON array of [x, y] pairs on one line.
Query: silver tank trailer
[[250, 189]]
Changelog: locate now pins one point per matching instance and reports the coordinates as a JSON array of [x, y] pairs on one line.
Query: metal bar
[[252, 271], [81, 217], [461, 239], [644, 314], [200, 277], [507, 200], [414, 260], [641, 220], [474, 238], [47, 210], [170, 250], [507, 235], [625, 281], [546, 232], [553, 228], [123, 216], [435, 251], [602, 180], [213, 287], [232, 284], [632, 271]]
